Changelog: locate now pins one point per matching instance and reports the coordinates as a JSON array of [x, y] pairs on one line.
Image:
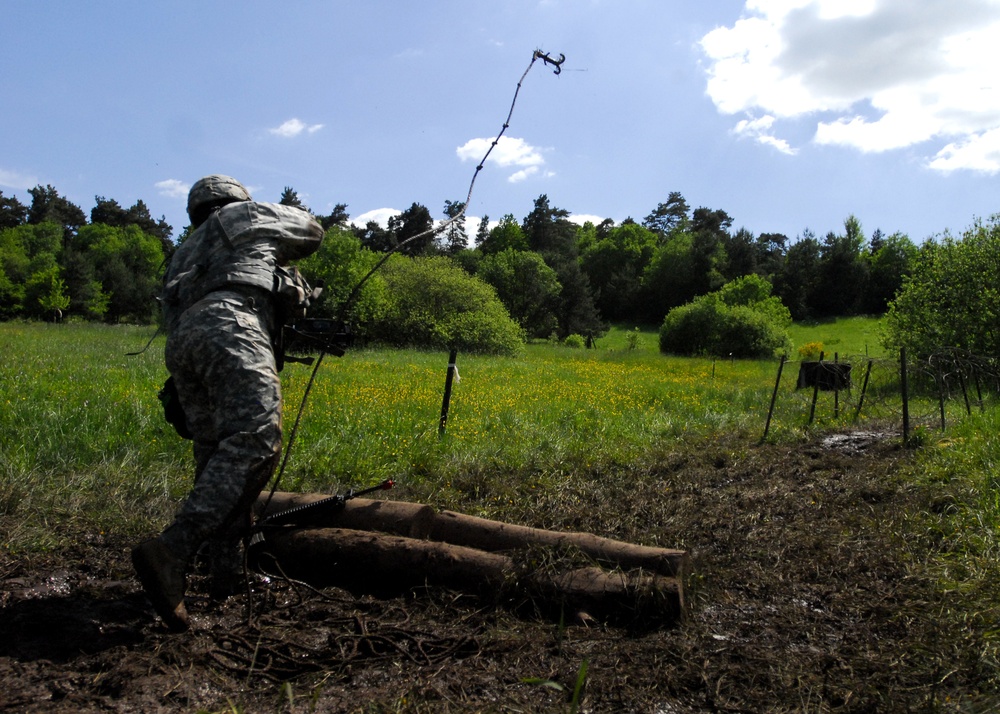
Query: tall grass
[[842, 335], [84, 441]]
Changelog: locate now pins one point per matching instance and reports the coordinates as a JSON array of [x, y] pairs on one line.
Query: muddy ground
[[810, 590]]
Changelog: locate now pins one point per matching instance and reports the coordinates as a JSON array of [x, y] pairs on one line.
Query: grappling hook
[[557, 63]]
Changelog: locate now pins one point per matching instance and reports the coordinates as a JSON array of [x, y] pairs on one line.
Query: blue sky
[[787, 114]]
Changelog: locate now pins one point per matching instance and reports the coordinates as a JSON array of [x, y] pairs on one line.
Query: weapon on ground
[[313, 514]]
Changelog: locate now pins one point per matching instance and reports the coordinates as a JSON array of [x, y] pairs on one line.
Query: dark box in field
[[828, 376]]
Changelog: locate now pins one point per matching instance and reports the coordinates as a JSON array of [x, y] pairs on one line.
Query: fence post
[[904, 388], [447, 391], [864, 390], [774, 397], [965, 391], [940, 383], [812, 407], [836, 386]]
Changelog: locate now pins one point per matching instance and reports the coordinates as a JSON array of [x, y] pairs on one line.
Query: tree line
[[553, 277]]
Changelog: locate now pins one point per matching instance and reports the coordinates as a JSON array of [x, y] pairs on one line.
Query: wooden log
[[413, 520], [493, 536], [421, 521], [364, 561]]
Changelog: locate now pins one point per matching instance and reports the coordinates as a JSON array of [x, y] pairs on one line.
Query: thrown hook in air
[[557, 63]]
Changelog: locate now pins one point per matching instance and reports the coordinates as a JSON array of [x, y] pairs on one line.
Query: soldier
[[227, 292]]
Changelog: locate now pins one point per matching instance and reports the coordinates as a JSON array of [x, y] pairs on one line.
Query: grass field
[[84, 437]]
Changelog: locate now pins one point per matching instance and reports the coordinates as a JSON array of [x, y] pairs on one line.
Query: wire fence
[[911, 393]]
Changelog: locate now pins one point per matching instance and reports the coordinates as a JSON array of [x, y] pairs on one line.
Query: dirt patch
[[807, 592]]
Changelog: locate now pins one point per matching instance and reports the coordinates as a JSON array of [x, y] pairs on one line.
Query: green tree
[[376, 238], [290, 197], [843, 272], [669, 217], [138, 215], [668, 280], [14, 262], [527, 287], [126, 262], [506, 235], [952, 297], [87, 296], [741, 254], [799, 280], [708, 248], [483, 230], [769, 249], [110, 213], [615, 265], [12, 212], [337, 217], [412, 230], [340, 264], [46, 294], [889, 265], [47, 206], [551, 234], [454, 237]]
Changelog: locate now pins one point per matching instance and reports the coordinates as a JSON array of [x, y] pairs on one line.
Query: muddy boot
[[225, 568], [162, 576]]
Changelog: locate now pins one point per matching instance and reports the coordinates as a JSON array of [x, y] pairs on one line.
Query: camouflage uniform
[[226, 293]]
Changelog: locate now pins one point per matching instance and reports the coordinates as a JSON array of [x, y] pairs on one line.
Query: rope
[[538, 54]]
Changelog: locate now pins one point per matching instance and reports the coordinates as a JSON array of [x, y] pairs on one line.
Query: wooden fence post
[[774, 396], [812, 407], [904, 389], [836, 386], [864, 390], [447, 391]]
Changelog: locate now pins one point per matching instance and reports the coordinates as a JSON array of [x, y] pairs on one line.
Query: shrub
[[811, 351], [433, 303], [574, 341], [340, 264], [740, 320]]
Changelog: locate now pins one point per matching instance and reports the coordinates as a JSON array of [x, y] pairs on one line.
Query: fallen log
[[420, 521], [365, 561]]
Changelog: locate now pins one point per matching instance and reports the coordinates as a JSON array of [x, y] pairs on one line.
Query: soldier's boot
[[162, 575], [225, 568]]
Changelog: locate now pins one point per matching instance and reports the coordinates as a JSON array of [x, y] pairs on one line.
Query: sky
[[789, 115]]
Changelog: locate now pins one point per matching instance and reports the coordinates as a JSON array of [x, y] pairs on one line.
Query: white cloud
[[379, 215], [581, 218], [508, 152], [977, 153], [293, 127], [13, 179], [760, 131], [883, 74], [172, 188], [519, 176]]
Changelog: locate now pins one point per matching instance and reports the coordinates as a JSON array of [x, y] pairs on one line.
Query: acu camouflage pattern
[[216, 189], [220, 310]]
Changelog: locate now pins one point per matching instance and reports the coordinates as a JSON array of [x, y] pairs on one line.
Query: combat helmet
[[211, 192]]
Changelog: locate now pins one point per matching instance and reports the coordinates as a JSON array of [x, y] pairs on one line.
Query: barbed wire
[[932, 391]]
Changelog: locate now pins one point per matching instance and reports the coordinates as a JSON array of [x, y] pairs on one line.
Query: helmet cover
[[214, 190]]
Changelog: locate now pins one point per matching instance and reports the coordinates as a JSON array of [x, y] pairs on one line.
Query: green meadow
[[85, 444]]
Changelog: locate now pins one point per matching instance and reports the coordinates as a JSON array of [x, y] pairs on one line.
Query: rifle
[[312, 515], [312, 335]]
